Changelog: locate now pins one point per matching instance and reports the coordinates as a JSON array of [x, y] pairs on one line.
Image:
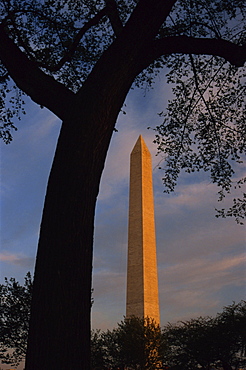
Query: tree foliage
[[204, 126], [208, 342], [136, 344], [15, 302]]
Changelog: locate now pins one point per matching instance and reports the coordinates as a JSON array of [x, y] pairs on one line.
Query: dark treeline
[[136, 343]]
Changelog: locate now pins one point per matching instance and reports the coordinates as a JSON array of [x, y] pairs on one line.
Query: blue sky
[[201, 259]]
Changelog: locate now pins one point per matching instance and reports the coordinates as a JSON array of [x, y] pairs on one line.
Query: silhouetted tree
[[205, 342], [136, 344], [15, 302], [98, 351], [208, 342], [79, 59]]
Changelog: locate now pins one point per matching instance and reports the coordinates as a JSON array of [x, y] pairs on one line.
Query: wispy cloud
[[197, 270], [17, 259], [194, 287]]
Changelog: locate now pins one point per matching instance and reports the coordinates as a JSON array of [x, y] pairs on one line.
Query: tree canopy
[[135, 343], [200, 343], [79, 59]]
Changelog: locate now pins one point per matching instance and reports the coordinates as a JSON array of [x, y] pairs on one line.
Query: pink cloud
[[16, 259]]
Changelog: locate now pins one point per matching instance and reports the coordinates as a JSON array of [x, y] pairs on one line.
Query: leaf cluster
[[15, 302], [11, 106], [204, 125]]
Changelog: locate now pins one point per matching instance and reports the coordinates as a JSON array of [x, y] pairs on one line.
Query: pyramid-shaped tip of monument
[[140, 138], [140, 145]]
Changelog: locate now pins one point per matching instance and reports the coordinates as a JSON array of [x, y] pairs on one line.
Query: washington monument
[[142, 280]]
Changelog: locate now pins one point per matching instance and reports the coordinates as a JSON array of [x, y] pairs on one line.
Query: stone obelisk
[[142, 281]]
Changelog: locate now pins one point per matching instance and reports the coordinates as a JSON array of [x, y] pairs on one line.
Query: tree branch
[[234, 54], [72, 48], [114, 17], [111, 11], [42, 89], [208, 110], [4, 78]]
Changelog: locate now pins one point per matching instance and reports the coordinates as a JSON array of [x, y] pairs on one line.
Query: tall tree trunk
[[59, 336], [60, 319]]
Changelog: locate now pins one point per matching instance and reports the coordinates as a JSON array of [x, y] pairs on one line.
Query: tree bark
[[60, 320]]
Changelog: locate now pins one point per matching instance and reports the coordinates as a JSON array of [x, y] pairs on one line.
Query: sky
[[201, 259]]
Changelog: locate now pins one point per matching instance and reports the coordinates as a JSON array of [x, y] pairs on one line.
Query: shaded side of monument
[[142, 298]]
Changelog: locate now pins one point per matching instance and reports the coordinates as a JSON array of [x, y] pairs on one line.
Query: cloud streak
[[200, 271], [17, 259]]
